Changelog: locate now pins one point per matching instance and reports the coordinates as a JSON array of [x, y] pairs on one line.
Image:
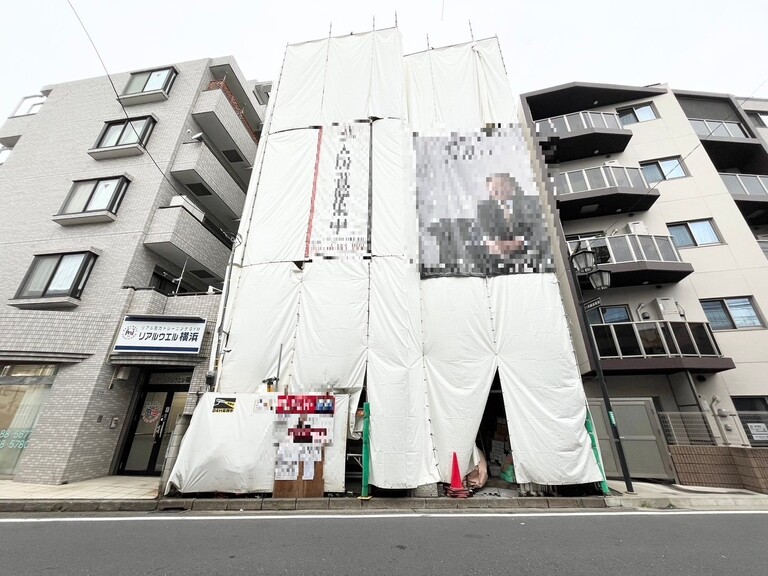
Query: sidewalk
[[138, 494]]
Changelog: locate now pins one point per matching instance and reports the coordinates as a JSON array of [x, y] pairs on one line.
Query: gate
[[641, 436]]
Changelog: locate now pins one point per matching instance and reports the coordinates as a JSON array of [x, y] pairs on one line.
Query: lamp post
[[582, 261]]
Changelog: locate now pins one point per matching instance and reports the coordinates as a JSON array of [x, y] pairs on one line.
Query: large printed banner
[[339, 217], [479, 209]]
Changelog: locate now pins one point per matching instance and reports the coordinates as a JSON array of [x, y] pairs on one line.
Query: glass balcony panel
[[609, 177], [701, 336], [683, 338], [578, 181], [668, 338], [558, 125], [635, 245], [596, 120], [605, 345], [627, 339], [666, 249], [622, 181], [650, 337], [602, 255], [595, 178], [753, 186], [736, 130], [620, 248], [636, 178], [718, 129], [575, 122], [764, 181], [733, 184], [649, 248], [700, 127], [611, 121], [561, 184]]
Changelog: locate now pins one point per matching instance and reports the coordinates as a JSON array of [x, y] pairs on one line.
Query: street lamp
[[582, 260]]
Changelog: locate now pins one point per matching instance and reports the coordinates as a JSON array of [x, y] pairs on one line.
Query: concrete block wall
[[722, 466]]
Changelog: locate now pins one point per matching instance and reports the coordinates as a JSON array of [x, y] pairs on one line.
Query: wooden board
[[301, 488]]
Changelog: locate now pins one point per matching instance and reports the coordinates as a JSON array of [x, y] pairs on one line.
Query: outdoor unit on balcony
[[636, 228], [666, 309]]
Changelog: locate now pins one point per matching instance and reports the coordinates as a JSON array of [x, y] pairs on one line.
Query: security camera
[[198, 136]]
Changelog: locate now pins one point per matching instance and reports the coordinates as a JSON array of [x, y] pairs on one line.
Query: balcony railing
[[746, 184], [630, 248], [718, 128], [655, 339], [577, 122], [599, 178]]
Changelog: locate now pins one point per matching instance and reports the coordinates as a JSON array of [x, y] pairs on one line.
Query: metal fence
[[718, 128], [655, 339], [756, 427], [599, 178], [686, 428], [577, 122], [630, 248], [746, 184]]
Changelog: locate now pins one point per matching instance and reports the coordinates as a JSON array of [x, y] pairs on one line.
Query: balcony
[[763, 246], [222, 121], [180, 236], [636, 259], [583, 134], [750, 192], [728, 144], [658, 347], [213, 186], [602, 191]]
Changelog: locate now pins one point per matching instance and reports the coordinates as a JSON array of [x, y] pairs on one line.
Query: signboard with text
[[160, 335]]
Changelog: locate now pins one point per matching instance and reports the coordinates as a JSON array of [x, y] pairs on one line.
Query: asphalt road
[[602, 544]]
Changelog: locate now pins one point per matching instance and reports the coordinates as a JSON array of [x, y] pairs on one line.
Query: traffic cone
[[456, 489]]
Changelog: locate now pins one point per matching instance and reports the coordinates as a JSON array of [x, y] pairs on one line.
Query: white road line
[[456, 515]]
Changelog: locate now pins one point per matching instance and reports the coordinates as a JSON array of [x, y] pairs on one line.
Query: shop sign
[[160, 335]]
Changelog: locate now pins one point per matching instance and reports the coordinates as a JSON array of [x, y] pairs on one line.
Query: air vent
[[232, 155], [199, 189], [202, 274]]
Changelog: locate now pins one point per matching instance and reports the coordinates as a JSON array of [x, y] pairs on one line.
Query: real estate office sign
[[161, 335]]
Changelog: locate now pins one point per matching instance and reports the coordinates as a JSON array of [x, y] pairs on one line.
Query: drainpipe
[[716, 400]]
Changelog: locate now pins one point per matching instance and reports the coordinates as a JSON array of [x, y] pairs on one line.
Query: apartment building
[[670, 189], [120, 215]]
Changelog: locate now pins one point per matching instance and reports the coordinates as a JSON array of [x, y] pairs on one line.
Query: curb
[[354, 504]]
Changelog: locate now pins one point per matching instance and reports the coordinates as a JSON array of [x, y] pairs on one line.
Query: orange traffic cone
[[456, 489]]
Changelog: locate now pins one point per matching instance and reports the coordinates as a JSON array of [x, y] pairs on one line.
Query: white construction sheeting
[[235, 451], [430, 348]]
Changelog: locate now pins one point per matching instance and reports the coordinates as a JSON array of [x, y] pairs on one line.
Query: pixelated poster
[[339, 220], [479, 209]]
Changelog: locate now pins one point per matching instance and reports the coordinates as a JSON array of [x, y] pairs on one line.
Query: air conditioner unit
[[666, 309], [637, 227]]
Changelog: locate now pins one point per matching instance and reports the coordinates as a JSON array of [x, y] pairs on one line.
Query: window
[[57, 275], [609, 315], [694, 233], [731, 313], [93, 195], [29, 105], [4, 153], [667, 169], [133, 131], [150, 80], [635, 114]]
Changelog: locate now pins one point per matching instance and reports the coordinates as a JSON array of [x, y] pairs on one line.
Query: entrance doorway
[[161, 400]]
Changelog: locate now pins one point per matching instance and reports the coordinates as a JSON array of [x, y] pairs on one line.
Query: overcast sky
[[707, 45]]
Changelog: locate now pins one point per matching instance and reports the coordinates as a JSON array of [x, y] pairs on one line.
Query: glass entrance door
[[153, 425]]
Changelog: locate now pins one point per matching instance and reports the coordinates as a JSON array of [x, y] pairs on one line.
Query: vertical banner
[[339, 219]]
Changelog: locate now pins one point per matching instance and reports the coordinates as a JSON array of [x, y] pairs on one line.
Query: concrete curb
[[708, 502]]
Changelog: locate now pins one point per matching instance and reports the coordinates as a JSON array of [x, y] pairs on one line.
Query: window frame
[[114, 202], [657, 162], [724, 302], [78, 282], [146, 132], [696, 243], [34, 108], [634, 108], [600, 310], [166, 87]]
